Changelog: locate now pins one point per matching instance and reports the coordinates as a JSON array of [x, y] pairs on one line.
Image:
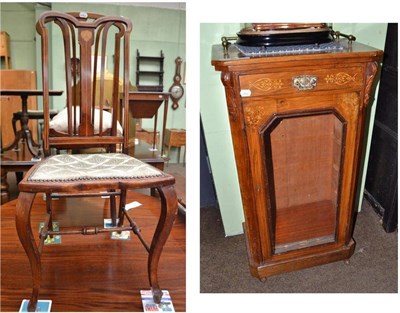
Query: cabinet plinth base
[[298, 261]]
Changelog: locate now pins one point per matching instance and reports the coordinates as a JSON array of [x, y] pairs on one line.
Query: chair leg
[[24, 230], [113, 207], [122, 203], [14, 126], [169, 209], [49, 209]]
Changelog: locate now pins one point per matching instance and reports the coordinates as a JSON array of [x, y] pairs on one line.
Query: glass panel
[[306, 154]]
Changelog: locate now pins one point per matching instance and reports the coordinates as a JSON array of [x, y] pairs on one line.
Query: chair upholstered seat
[[66, 167]]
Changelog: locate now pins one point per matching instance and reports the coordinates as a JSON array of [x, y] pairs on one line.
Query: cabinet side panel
[[348, 105], [230, 82]]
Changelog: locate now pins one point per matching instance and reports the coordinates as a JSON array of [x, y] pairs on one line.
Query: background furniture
[[32, 115], [15, 79], [5, 49], [175, 138], [150, 72], [145, 134], [18, 161], [297, 125], [25, 133], [381, 188], [146, 105], [176, 90]]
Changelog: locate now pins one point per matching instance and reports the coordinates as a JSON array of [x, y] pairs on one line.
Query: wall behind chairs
[[217, 134], [18, 19]]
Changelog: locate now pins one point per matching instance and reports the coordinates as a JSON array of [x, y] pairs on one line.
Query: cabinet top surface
[[234, 57]]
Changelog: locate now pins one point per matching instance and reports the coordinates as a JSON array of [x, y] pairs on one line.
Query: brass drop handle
[[304, 82]]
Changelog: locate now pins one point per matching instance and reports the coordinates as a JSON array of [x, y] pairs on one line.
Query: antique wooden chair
[[90, 36]]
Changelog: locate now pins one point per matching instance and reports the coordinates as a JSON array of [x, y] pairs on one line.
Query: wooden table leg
[[169, 209], [25, 132], [14, 144], [29, 141], [4, 186], [24, 230], [169, 152]]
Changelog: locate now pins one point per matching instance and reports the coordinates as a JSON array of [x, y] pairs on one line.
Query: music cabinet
[[297, 123]]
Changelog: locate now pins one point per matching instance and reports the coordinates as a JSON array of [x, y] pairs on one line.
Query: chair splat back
[[94, 111]]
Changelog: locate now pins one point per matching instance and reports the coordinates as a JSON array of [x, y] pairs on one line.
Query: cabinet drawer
[[300, 81]]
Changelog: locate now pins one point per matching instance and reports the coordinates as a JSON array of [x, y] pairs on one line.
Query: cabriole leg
[[169, 209], [24, 230]]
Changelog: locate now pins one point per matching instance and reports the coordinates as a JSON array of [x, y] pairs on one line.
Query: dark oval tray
[[283, 39]]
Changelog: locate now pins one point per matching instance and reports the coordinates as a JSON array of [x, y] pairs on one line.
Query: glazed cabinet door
[[301, 150]]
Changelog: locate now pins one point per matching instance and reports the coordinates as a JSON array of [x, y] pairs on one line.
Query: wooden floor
[[91, 273]]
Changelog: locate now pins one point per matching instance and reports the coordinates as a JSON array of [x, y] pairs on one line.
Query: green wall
[[215, 117], [372, 34], [154, 29], [22, 35]]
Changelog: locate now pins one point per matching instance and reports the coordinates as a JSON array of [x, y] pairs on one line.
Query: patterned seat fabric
[[67, 167]]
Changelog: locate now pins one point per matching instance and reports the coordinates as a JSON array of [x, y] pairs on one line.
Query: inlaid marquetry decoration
[[254, 114], [86, 35], [351, 101], [266, 84], [340, 78]]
